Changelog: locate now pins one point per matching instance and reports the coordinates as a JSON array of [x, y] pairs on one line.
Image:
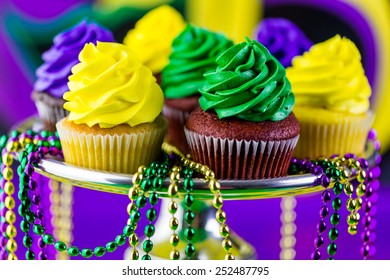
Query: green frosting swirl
[[248, 83], [194, 52]]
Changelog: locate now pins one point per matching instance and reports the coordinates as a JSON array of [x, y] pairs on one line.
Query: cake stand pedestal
[[208, 245]]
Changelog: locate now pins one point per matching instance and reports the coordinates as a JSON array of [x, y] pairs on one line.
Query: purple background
[[99, 217]]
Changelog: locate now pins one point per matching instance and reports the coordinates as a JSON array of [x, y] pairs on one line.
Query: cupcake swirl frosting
[[249, 83], [152, 36], [52, 76], [330, 75], [110, 86], [194, 52], [283, 39]]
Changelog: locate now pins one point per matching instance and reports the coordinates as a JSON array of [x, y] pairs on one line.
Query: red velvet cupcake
[[245, 128]]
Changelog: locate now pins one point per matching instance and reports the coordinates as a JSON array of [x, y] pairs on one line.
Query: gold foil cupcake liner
[[347, 136], [241, 159], [177, 120], [114, 153]]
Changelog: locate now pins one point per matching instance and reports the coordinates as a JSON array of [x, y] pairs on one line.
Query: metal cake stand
[[209, 247], [120, 183]]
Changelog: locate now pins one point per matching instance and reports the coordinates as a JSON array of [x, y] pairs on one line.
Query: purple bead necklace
[[351, 175]]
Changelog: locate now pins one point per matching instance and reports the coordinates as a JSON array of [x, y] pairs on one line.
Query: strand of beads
[[149, 230], [360, 169], [173, 189], [372, 186], [42, 141], [33, 153], [4, 191], [25, 207], [156, 173], [8, 227], [145, 185], [298, 166], [25, 202], [73, 251], [287, 217], [356, 168], [354, 175], [189, 215], [135, 194], [353, 205], [339, 177], [215, 188], [19, 142], [336, 169], [335, 217], [3, 143]]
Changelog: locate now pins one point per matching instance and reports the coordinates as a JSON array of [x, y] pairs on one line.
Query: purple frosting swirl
[[282, 38], [52, 75]]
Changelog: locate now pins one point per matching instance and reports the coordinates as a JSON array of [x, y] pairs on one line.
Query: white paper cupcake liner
[[114, 153], [318, 140], [50, 114], [177, 120], [241, 159]]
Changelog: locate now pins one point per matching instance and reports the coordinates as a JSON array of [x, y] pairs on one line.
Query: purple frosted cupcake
[[52, 75], [282, 38]]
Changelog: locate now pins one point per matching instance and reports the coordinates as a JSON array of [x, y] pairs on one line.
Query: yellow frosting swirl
[[110, 86], [330, 75], [153, 34]]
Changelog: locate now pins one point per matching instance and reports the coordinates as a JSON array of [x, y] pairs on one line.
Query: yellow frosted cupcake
[[115, 103], [332, 99], [152, 37]]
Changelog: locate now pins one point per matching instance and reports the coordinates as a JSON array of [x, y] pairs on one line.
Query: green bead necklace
[[156, 173], [214, 187], [31, 147], [173, 189], [28, 218], [189, 215]]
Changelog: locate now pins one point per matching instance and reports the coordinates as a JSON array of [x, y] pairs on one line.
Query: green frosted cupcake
[[245, 128], [194, 53]]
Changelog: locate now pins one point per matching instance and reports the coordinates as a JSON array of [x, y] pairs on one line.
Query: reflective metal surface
[[231, 189]]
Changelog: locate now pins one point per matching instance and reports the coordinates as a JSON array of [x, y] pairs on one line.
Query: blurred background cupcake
[[282, 38], [115, 104], [152, 37], [245, 128], [332, 99], [52, 75], [194, 52]]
